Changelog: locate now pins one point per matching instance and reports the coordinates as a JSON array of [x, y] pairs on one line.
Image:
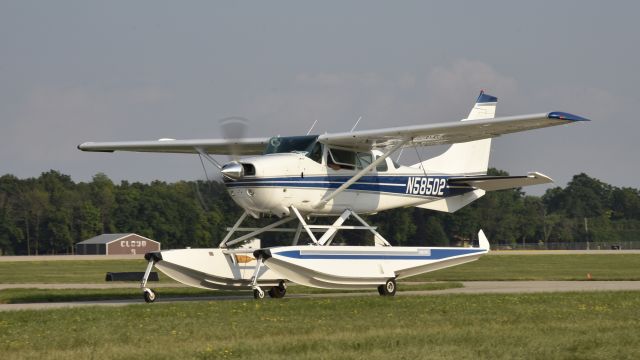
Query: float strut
[[145, 277]]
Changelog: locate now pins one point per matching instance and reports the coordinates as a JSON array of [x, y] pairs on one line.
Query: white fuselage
[[292, 179]]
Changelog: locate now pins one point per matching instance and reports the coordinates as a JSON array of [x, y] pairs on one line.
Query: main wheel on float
[[388, 289]]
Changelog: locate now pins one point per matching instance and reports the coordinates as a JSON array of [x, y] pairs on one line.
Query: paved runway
[[470, 287]]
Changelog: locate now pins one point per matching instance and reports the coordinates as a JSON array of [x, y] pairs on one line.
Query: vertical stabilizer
[[470, 158], [483, 242]]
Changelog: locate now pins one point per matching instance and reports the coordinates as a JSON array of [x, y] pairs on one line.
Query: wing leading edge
[[418, 135], [254, 146]]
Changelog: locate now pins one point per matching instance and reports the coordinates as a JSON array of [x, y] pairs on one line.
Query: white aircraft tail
[[483, 242], [470, 158]]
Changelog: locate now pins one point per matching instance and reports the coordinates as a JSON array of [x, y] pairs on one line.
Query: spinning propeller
[[234, 129]]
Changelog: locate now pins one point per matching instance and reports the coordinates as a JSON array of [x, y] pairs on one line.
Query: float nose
[[233, 170]]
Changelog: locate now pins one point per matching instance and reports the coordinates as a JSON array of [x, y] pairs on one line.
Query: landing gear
[[279, 291], [258, 294], [388, 289], [149, 295]]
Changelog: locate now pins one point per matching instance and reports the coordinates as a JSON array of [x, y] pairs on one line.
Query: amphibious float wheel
[[258, 294], [149, 295], [277, 292], [389, 288], [273, 292]]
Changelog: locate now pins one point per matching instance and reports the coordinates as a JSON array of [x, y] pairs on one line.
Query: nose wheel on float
[[276, 292], [148, 294]]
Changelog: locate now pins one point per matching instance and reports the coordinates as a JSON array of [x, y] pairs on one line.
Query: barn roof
[[108, 238]]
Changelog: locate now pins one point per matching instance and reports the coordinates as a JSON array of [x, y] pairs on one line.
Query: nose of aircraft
[[233, 170]]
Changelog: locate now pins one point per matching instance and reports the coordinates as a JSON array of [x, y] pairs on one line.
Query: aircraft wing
[[254, 146], [447, 133], [492, 183]]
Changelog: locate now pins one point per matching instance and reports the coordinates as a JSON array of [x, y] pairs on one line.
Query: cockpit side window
[[341, 159]]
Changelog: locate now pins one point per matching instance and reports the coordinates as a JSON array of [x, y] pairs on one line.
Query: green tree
[[626, 203], [87, 221], [103, 198], [583, 197], [434, 232]]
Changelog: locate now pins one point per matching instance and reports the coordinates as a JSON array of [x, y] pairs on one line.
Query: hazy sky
[[76, 71]]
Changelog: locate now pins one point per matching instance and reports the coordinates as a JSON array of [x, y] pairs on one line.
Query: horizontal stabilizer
[[492, 183], [452, 204]]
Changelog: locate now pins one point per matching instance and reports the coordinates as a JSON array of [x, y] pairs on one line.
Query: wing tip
[[538, 175], [560, 115], [86, 147]]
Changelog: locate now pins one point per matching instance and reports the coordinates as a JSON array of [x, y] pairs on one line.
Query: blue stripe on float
[[436, 254]]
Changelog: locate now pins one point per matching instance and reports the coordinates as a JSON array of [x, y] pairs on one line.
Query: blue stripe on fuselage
[[433, 186]]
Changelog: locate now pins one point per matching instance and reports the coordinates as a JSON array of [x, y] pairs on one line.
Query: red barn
[[117, 244]]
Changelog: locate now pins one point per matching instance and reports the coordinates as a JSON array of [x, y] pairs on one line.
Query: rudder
[[470, 158]]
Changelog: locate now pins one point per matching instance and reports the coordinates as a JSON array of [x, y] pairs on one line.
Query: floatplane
[[340, 175]]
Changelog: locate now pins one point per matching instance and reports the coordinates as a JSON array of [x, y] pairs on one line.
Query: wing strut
[[360, 174], [208, 157]]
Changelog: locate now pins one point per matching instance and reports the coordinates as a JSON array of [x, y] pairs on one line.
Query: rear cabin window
[[364, 160], [382, 166]]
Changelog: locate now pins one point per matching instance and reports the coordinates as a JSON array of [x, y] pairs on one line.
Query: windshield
[[287, 144]]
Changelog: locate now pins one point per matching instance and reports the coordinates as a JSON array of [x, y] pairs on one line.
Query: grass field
[[68, 271], [532, 326], [504, 267]]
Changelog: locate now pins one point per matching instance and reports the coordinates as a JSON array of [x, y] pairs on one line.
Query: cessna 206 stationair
[[342, 175]]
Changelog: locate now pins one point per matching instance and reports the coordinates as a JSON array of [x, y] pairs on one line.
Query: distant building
[[117, 244]]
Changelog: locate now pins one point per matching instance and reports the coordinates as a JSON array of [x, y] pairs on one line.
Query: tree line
[[51, 213]]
